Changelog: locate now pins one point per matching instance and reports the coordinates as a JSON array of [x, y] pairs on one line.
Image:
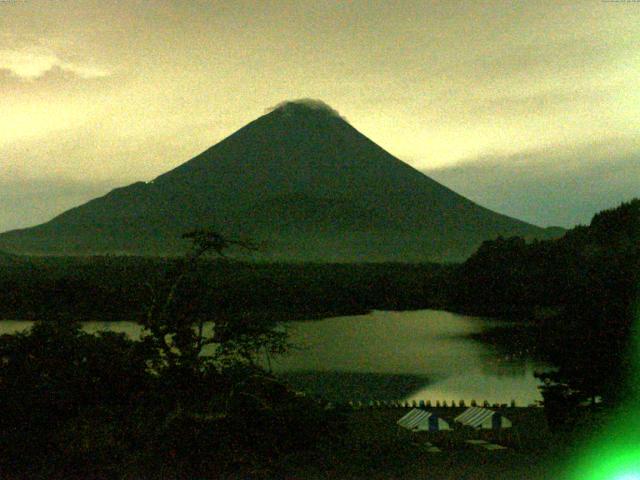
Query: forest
[[115, 288], [580, 293], [77, 405]]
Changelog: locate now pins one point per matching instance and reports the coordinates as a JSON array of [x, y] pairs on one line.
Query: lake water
[[414, 355]]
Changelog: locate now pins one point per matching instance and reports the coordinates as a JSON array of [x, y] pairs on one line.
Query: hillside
[[299, 179], [578, 298], [7, 258]]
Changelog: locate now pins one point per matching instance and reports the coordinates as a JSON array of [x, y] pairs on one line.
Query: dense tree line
[[121, 288], [76, 405], [80, 405], [581, 290]]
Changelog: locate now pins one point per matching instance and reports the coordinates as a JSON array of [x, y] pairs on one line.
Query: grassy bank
[[373, 447]]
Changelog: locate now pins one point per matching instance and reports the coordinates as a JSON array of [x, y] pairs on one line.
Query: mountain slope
[[299, 178]]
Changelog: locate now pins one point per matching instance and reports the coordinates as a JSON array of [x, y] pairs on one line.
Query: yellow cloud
[[33, 63]]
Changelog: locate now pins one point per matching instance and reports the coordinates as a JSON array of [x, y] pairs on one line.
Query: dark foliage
[[77, 405], [579, 289], [55, 380], [120, 288]]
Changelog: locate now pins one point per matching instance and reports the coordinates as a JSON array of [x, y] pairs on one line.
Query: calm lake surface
[[414, 355]]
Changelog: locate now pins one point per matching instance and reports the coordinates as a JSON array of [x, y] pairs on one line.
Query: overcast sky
[[528, 107]]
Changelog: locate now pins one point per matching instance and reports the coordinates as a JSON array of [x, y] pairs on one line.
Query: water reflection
[[418, 342], [341, 386], [429, 344], [424, 354], [506, 368]]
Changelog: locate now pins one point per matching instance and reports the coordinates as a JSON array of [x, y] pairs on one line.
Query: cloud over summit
[[305, 104]]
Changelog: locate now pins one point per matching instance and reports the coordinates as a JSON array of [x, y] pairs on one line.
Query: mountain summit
[[301, 180]]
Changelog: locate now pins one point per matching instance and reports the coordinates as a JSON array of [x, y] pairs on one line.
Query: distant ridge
[[300, 179]]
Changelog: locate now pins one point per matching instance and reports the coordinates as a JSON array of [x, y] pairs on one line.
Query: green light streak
[[614, 454]]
